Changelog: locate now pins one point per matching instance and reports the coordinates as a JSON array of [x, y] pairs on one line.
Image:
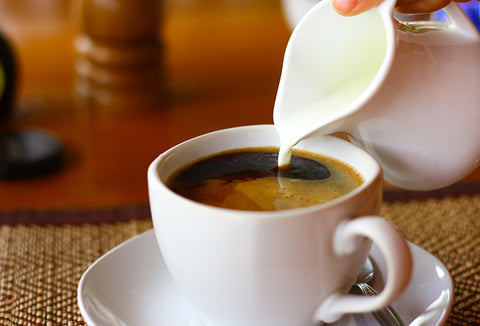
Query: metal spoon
[[386, 316]]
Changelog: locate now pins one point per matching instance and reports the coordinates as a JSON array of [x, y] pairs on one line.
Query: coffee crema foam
[[267, 188]]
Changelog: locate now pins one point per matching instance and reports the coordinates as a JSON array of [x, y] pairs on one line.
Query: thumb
[[354, 7]]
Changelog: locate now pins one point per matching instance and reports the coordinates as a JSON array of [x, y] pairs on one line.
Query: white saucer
[[130, 285]]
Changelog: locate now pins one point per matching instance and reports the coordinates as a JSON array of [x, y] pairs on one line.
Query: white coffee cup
[[288, 267]]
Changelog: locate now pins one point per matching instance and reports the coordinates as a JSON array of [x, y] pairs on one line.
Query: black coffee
[[250, 179]]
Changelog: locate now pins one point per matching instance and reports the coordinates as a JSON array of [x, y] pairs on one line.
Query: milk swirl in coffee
[[249, 179]]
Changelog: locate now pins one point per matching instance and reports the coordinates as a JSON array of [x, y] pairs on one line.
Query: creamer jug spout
[[332, 66]]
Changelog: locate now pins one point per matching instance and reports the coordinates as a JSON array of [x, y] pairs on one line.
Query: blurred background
[[219, 63]]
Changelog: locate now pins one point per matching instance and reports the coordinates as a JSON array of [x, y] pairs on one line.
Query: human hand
[[355, 7]]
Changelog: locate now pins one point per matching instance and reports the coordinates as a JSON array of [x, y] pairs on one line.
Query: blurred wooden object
[[120, 53]]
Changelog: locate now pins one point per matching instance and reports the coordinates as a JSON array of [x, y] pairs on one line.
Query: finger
[[420, 6], [354, 7]]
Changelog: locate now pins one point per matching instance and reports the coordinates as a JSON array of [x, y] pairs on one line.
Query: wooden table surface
[[222, 59]]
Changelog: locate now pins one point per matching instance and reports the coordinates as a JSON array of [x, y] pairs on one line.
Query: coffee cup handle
[[346, 240]]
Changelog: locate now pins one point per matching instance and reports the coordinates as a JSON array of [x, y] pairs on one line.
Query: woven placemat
[[449, 228], [40, 265]]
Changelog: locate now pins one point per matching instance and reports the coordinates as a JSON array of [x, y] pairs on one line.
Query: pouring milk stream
[[406, 91]]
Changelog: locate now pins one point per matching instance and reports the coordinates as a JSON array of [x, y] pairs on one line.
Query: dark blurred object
[[120, 52], [7, 79], [27, 154]]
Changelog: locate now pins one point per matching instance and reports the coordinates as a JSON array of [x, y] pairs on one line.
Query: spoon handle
[[386, 316]]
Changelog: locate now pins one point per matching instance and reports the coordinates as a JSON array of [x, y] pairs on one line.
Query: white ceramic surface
[[407, 92], [294, 10], [130, 285], [287, 267]]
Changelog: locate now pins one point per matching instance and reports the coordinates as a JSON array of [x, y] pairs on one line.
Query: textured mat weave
[[450, 230], [40, 265]]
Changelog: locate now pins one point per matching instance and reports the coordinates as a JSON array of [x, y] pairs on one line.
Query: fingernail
[[345, 7]]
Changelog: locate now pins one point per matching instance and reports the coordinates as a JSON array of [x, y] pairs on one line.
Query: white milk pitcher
[[407, 92]]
